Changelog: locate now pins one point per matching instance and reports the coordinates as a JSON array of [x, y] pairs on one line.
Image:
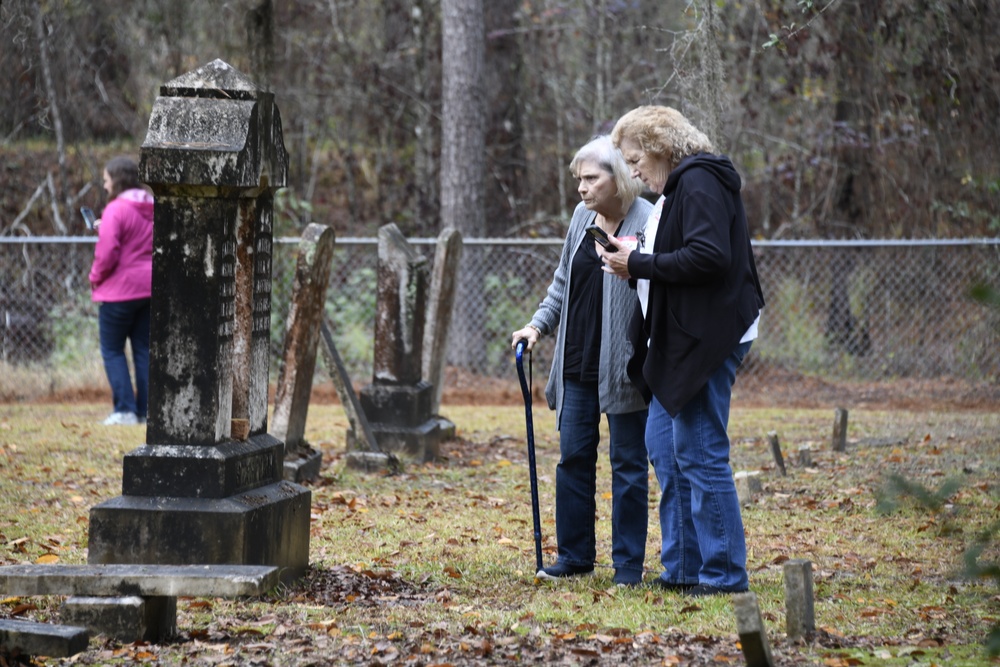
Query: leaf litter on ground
[[434, 566]]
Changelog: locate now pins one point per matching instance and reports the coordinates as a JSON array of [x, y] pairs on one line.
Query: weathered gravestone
[[207, 486], [747, 486], [398, 401], [800, 616], [753, 635], [442, 303], [775, 445], [302, 335], [839, 439], [805, 456]]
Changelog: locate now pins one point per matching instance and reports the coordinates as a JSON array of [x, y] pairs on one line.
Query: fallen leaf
[[22, 608]]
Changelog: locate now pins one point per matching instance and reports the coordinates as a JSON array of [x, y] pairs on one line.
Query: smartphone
[[88, 216], [601, 237]]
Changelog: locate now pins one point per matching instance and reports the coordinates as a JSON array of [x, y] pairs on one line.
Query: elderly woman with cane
[[588, 374], [698, 312]]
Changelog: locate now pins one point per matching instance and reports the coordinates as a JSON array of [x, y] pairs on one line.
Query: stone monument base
[[397, 404], [302, 465], [401, 421], [447, 428], [267, 525], [419, 442]]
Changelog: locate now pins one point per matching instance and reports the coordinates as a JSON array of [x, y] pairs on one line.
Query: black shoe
[[628, 578], [704, 590], [672, 586], [562, 570]]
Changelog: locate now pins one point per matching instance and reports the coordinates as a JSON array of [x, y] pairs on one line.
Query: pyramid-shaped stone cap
[[218, 79], [213, 128]]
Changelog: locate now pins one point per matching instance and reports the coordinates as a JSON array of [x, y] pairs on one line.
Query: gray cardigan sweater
[[616, 393]]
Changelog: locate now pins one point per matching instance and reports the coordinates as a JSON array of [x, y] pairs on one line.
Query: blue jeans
[[700, 522], [119, 321], [576, 481]]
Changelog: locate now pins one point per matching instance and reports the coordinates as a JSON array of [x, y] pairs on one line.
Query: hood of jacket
[[138, 199], [720, 165]]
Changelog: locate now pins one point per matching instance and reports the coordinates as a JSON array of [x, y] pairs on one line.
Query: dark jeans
[[120, 321], [576, 481], [700, 521]]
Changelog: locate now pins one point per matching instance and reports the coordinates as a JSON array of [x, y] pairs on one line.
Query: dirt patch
[[769, 387], [763, 388]]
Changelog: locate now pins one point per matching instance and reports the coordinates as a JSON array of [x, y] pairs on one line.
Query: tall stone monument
[[207, 486]]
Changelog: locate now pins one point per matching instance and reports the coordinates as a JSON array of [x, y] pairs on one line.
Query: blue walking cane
[[519, 350]]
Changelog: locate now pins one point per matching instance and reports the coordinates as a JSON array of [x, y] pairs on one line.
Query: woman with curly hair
[[698, 311]]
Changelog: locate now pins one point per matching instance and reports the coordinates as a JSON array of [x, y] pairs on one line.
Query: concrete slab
[[30, 638], [128, 618], [144, 580]]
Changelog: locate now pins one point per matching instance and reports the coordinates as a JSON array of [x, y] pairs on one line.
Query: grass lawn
[[435, 566]]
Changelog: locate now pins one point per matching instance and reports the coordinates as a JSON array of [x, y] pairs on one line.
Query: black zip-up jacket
[[703, 292]]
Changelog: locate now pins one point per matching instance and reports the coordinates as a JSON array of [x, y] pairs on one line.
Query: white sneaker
[[122, 418]]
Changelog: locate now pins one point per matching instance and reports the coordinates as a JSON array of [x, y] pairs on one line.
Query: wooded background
[[847, 118]]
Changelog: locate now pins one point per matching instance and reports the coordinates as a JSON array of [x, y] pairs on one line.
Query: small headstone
[[839, 443], [805, 456], [747, 485], [779, 460], [753, 634], [800, 620]]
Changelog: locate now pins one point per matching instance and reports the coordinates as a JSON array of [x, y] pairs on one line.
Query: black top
[[582, 354], [703, 288]]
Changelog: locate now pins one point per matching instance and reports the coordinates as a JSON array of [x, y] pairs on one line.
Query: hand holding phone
[[601, 237], [88, 216]]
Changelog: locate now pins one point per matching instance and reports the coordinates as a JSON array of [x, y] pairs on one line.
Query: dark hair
[[124, 174]]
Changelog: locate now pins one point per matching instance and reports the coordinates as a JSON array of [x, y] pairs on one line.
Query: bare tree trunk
[[712, 74], [463, 151], [853, 128], [260, 40], [563, 186], [602, 50], [854, 123], [425, 129], [50, 90], [504, 129]]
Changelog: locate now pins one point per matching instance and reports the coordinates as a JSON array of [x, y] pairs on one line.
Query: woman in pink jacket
[[121, 279]]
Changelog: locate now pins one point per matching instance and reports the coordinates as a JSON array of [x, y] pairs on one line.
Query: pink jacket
[[123, 258]]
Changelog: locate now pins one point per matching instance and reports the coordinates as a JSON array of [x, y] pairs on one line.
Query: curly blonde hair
[[661, 132]]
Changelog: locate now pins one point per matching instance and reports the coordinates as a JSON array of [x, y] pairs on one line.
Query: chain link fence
[[873, 310]]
